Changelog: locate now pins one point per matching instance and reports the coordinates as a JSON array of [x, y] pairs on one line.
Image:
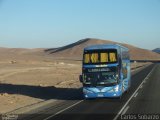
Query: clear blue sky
[[53, 23]]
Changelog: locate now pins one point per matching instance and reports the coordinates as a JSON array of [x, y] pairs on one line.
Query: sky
[[54, 23]]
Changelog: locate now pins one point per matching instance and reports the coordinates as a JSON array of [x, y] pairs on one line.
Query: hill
[[75, 50], [157, 50]]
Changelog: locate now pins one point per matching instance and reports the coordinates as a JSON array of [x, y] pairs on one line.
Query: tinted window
[[100, 56]]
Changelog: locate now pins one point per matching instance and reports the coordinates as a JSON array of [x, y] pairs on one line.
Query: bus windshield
[[100, 56], [101, 76]]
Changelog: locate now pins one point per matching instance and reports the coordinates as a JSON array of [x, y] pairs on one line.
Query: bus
[[105, 71]]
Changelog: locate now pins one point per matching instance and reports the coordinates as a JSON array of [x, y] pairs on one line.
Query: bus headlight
[[116, 88]]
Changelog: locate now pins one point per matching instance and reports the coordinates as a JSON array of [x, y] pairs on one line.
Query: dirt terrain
[[29, 76], [23, 84]]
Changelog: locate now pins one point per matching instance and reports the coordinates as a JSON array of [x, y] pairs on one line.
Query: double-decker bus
[[105, 71]]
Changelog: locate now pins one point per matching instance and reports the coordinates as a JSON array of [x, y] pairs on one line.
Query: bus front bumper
[[97, 94]]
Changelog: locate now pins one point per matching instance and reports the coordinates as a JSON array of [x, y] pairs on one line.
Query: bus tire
[[88, 99], [120, 97], [128, 89]]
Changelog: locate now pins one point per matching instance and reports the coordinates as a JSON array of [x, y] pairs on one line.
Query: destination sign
[[99, 70]]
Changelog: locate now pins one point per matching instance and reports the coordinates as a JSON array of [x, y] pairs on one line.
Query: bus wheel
[[90, 98], [119, 97], [127, 90]]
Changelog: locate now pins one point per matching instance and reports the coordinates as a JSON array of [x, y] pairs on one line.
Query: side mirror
[[80, 78]]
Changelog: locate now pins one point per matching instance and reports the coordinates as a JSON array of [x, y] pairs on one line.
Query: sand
[[23, 84]]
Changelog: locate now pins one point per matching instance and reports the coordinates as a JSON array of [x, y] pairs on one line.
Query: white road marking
[[141, 85], [125, 110], [136, 94], [63, 110], [116, 117], [122, 110]]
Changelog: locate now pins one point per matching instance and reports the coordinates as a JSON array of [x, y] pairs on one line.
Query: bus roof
[[105, 46]]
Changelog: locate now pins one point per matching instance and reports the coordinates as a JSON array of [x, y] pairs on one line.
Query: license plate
[[100, 95]]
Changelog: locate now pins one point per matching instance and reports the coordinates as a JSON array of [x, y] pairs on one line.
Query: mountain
[[75, 50], [71, 51], [157, 50]]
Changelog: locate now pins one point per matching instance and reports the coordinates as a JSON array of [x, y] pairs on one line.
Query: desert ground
[[32, 76], [25, 82]]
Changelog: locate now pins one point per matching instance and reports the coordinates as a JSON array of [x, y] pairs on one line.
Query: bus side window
[[94, 58], [86, 58], [104, 57], [112, 57]]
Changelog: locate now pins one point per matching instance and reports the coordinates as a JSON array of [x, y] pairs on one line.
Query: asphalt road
[[141, 102]]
